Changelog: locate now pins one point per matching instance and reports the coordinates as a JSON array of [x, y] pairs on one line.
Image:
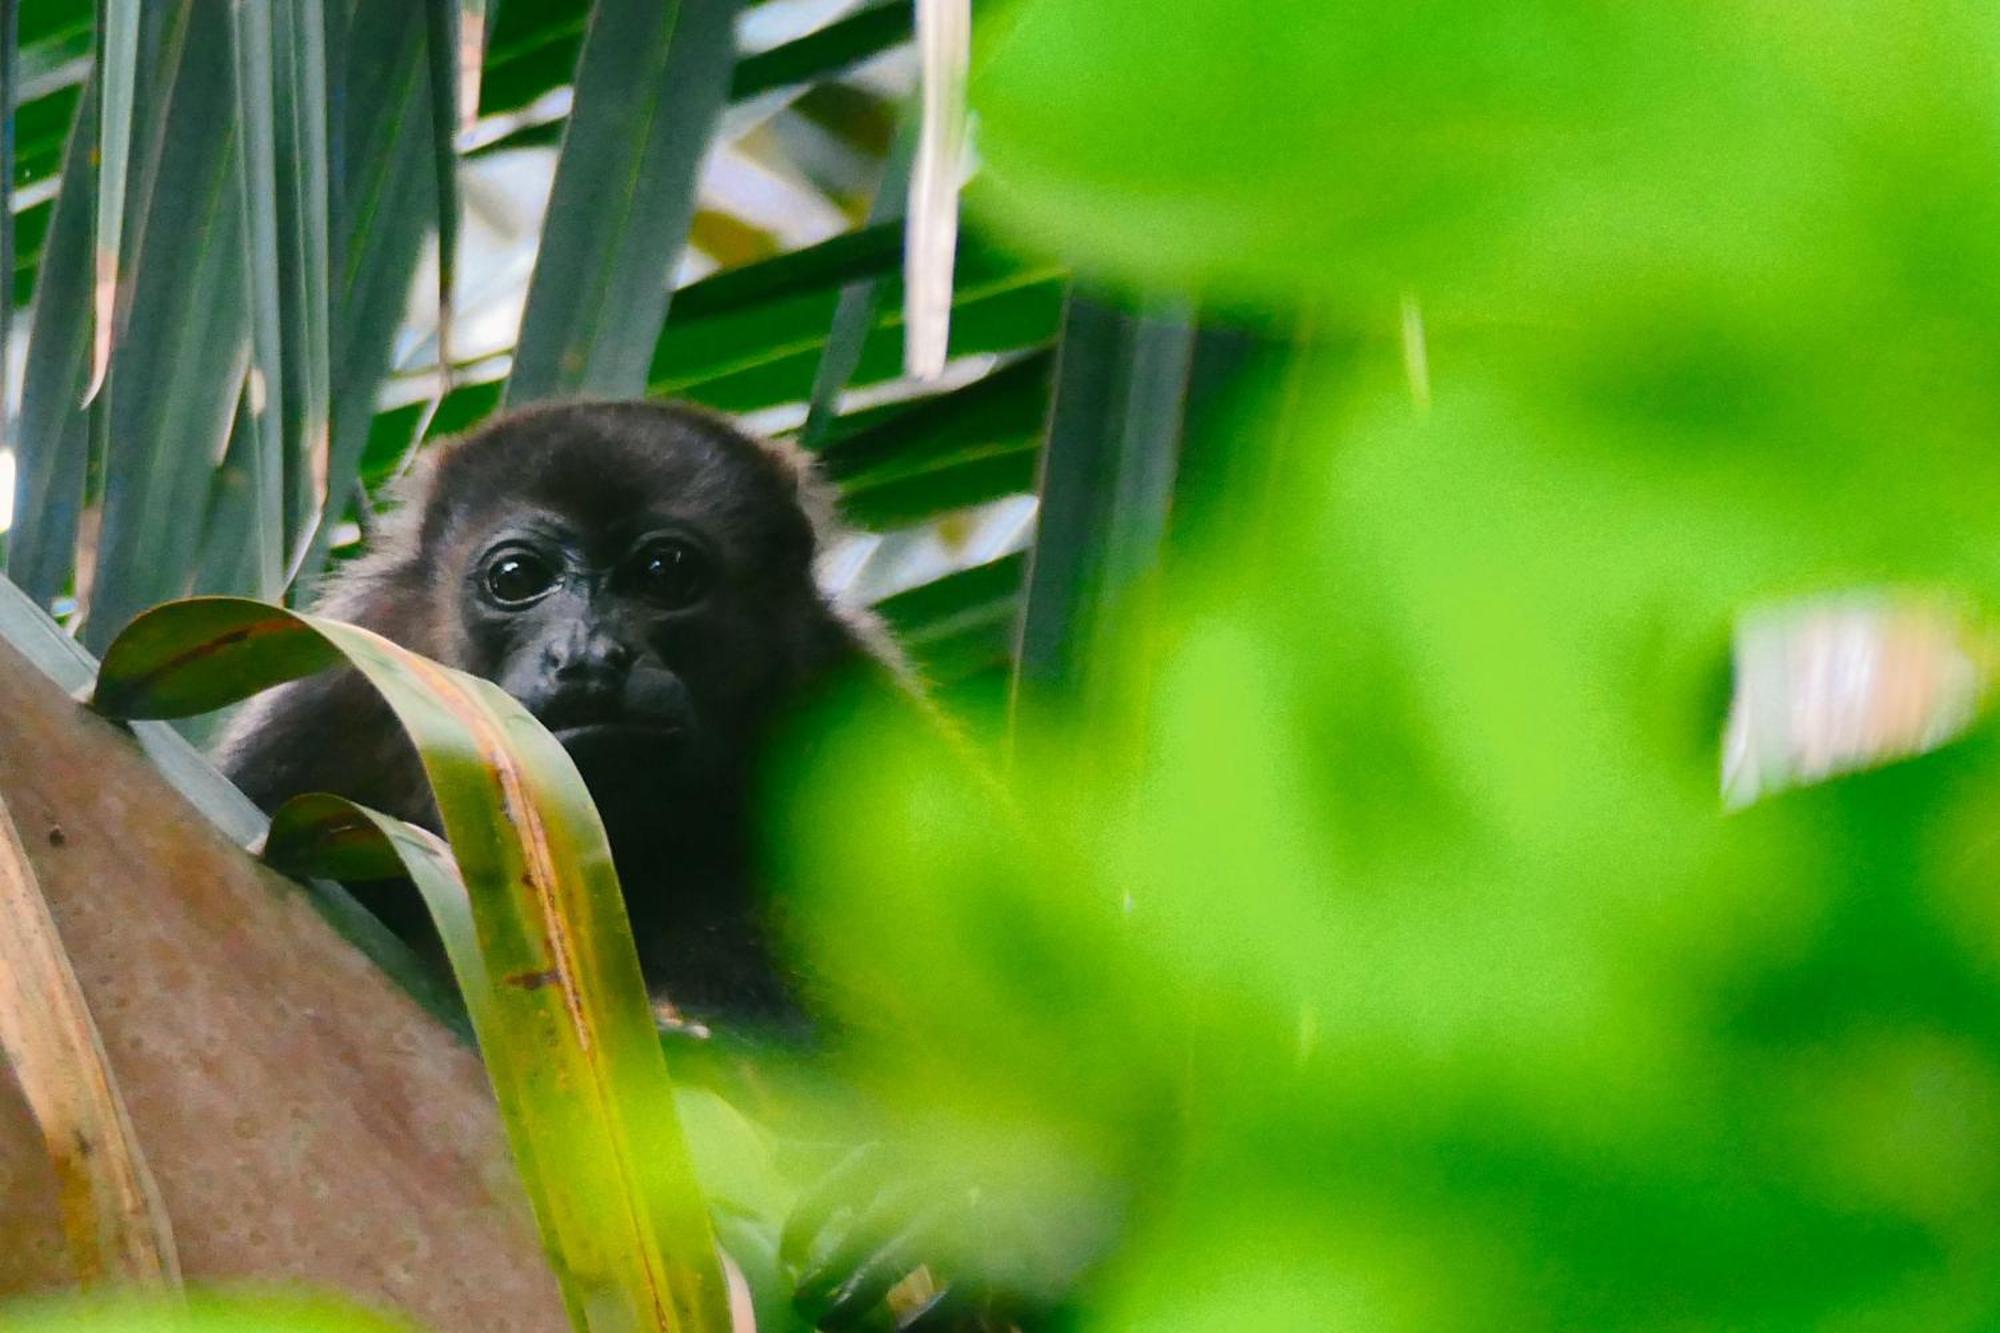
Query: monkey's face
[[581, 627], [640, 581]]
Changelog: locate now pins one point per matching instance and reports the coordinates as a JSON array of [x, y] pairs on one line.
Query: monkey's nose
[[596, 658]]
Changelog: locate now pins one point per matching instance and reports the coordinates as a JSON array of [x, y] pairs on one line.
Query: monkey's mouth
[[623, 733]]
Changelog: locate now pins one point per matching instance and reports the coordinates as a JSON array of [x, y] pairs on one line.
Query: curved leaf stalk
[[534, 923]]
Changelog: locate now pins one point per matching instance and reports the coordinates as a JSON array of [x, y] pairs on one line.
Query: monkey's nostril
[[601, 662]]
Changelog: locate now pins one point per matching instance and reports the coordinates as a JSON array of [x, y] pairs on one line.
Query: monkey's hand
[[862, 1241]]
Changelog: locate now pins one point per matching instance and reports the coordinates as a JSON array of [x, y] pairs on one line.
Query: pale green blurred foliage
[[1376, 952], [1501, 159], [1413, 938]]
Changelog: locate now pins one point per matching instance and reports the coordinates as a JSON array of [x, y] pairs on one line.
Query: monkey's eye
[[517, 577], [671, 573]]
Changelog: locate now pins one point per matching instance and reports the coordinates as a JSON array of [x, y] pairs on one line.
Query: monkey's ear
[[418, 513], [388, 588], [799, 473]]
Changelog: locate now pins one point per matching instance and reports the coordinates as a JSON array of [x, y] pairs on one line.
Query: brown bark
[[305, 1119]]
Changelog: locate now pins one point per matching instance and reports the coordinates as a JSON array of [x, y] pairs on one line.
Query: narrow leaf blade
[[944, 43], [171, 396], [855, 314], [576, 1052], [117, 85], [442, 58], [650, 82], [387, 186], [52, 449], [822, 54], [1075, 472], [299, 101], [257, 117], [10, 82]]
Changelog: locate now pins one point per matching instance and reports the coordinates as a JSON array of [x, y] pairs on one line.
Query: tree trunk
[[304, 1118]]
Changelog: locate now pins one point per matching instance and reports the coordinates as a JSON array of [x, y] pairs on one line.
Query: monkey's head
[[640, 575]]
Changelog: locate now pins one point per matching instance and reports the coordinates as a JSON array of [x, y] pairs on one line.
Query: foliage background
[[760, 201], [1361, 942]]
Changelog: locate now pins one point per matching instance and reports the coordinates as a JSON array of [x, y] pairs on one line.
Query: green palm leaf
[[537, 932]]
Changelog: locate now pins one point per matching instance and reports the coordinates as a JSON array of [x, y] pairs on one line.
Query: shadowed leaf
[[649, 84], [118, 46]]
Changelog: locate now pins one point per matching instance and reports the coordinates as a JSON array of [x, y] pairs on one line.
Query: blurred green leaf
[[1516, 163], [1409, 931], [1106, 481]]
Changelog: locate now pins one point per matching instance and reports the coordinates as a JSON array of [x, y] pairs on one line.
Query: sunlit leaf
[[944, 41]]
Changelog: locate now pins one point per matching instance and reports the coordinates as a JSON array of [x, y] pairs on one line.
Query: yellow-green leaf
[[553, 985]]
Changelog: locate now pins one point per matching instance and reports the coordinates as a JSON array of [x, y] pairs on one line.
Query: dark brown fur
[[765, 638]]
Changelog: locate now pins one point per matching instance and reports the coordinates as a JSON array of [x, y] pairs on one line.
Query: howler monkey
[[640, 576]]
